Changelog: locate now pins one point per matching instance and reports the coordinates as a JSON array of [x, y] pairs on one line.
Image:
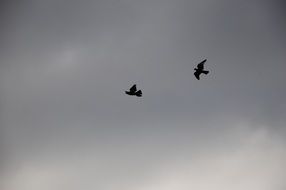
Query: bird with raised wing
[[133, 91], [200, 69]]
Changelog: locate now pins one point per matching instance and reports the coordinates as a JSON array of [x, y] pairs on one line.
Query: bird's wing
[[201, 65], [133, 88], [197, 75], [139, 93]]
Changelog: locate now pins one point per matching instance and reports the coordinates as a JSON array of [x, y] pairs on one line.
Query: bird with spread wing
[[200, 69], [133, 91]]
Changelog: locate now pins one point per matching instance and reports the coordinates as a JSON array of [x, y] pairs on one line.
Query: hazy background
[[66, 124]]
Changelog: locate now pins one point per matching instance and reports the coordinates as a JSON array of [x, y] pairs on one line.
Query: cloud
[[249, 160], [66, 121]]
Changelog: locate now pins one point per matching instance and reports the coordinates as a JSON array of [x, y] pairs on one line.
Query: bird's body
[[133, 91], [200, 69]]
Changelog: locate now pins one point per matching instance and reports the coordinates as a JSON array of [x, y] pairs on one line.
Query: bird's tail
[[138, 93], [205, 72]]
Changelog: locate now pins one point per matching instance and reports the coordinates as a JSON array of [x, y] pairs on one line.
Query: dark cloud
[[66, 64]]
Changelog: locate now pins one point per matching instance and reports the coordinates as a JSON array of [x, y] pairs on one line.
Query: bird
[[200, 69], [133, 91]]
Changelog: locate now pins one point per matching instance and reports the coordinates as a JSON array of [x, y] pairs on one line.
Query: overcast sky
[[66, 123]]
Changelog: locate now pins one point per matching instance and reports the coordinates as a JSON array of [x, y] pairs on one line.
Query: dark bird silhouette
[[133, 91], [200, 69]]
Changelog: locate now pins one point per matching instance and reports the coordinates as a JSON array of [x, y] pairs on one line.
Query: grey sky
[[67, 124]]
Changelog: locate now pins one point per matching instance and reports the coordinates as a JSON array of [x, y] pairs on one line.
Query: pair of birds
[[198, 71]]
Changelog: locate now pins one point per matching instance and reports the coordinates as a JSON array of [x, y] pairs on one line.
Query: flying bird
[[133, 91], [200, 69]]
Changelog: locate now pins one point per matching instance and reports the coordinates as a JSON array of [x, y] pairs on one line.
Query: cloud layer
[[67, 124]]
